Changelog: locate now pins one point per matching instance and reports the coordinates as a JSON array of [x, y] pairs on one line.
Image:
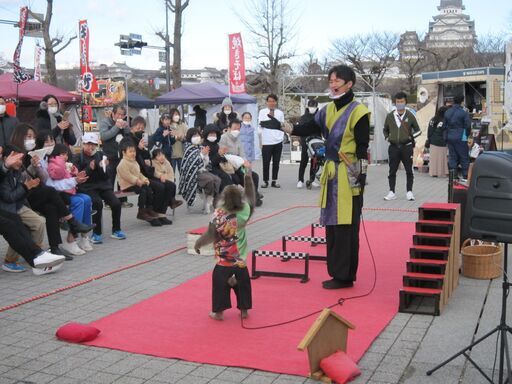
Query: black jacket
[[435, 132], [64, 136], [7, 126], [98, 179], [13, 192], [215, 158]]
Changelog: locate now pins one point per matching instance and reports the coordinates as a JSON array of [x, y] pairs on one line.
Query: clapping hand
[[81, 177], [12, 159], [63, 124], [31, 183], [35, 161]]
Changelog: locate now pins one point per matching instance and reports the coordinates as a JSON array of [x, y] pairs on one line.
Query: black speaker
[[489, 202]]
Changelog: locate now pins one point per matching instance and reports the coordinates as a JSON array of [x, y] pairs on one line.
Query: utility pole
[[167, 50]]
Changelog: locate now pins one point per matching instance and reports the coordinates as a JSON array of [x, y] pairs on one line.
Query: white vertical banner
[[37, 63], [508, 84]]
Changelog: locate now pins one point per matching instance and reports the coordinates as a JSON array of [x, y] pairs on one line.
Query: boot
[[155, 215], [175, 203], [143, 214], [76, 226]]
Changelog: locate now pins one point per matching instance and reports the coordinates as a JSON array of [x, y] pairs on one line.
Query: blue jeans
[[81, 206]]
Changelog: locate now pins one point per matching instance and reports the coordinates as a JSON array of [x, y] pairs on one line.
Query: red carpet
[[175, 323]]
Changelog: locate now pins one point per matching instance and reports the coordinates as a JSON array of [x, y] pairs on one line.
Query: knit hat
[[227, 101]]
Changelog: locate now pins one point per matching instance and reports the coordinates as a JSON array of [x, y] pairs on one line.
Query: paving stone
[[17, 373], [208, 371], [234, 375], [129, 380], [103, 378], [40, 378]]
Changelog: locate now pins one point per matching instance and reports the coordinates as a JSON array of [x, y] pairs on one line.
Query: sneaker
[[97, 239], [409, 196], [390, 196], [217, 315], [72, 248], [47, 259], [315, 184], [300, 185], [265, 184], [46, 270], [118, 235], [275, 184], [85, 244], [126, 204], [13, 267]]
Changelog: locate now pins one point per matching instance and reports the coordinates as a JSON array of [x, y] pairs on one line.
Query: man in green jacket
[[400, 129]]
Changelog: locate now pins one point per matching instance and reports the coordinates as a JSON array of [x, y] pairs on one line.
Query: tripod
[[502, 328]]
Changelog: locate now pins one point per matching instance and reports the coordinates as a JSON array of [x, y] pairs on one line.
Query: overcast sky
[[207, 23]]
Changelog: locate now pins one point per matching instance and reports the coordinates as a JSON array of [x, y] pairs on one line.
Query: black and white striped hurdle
[[314, 226], [283, 255], [313, 240]]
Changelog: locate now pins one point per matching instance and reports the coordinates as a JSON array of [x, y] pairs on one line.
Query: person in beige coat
[[179, 131], [131, 179], [165, 173]]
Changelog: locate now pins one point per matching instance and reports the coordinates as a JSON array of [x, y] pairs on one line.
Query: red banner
[[236, 64], [87, 82], [19, 75]]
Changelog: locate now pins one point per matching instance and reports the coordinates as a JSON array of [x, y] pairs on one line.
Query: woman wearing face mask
[[50, 119], [178, 130], [211, 136], [247, 136], [221, 119], [195, 174], [164, 136], [311, 110]]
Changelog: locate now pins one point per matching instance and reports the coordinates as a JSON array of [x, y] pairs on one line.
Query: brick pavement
[[29, 352]]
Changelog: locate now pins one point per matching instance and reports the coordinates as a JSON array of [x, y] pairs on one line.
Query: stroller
[[316, 151]]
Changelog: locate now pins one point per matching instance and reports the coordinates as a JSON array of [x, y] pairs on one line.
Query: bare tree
[[176, 7], [489, 49], [411, 68], [370, 55], [52, 45], [272, 27]]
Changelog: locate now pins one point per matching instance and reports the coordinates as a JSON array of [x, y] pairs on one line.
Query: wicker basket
[[481, 260]]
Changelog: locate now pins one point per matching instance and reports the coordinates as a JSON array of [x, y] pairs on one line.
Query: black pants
[[343, 246], [107, 195], [221, 290], [18, 236], [397, 154], [225, 179], [113, 162], [238, 178], [271, 152], [145, 195], [48, 202], [304, 160], [162, 194]]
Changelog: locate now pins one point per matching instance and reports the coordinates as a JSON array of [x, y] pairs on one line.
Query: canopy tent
[[139, 101], [33, 91], [208, 92]]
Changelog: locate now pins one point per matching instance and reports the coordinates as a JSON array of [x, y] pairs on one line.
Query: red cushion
[[77, 333], [339, 367]]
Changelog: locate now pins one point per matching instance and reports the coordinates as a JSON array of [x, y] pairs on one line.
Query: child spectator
[[98, 186], [80, 204], [227, 231], [165, 173], [132, 180]]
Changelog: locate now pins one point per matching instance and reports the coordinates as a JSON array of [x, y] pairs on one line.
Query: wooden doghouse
[[327, 335]]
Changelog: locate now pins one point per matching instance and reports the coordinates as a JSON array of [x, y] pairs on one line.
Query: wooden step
[[431, 240], [436, 235], [434, 226], [422, 291], [426, 276], [432, 248], [428, 262], [423, 280], [425, 301], [431, 212]]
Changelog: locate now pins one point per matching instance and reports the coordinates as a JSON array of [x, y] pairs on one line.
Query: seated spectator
[[7, 124], [221, 119], [161, 192], [98, 186], [50, 119], [45, 199], [231, 144], [165, 173], [59, 169], [219, 165], [13, 198], [131, 179], [195, 174]]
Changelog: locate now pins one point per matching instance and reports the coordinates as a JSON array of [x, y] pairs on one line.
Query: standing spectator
[[457, 129], [164, 137], [438, 165], [179, 130], [270, 120], [195, 173], [98, 187], [110, 128], [49, 118], [200, 120], [247, 137], [400, 129], [221, 119], [309, 114], [7, 125]]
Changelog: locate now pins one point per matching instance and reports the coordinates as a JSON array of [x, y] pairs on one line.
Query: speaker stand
[[502, 328]]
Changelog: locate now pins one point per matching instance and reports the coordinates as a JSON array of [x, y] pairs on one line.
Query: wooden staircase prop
[[432, 271]]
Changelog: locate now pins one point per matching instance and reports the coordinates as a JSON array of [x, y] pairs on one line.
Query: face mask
[[227, 111], [212, 139], [196, 140], [235, 134], [49, 148], [52, 110], [312, 110], [175, 118], [30, 144], [2, 109], [139, 135], [247, 122], [332, 96], [400, 106]]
